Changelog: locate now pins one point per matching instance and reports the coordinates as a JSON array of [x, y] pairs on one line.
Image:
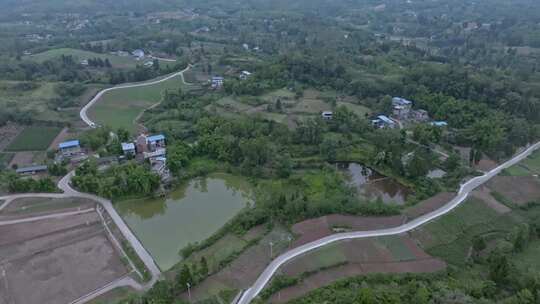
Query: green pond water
[[192, 213]]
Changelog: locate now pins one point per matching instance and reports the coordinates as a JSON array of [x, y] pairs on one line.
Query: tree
[[123, 134], [329, 148], [178, 156], [499, 267], [183, 278]]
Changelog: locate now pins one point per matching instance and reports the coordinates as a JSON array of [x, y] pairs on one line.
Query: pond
[[373, 185], [191, 213]]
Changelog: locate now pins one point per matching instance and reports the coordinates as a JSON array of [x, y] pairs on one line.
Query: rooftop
[[31, 169], [385, 119], [155, 138], [69, 144], [128, 146]]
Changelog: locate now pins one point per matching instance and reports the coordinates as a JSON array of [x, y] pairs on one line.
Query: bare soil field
[[429, 205], [484, 195], [55, 260], [314, 229], [518, 189], [8, 133], [485, 164], [41, 206], [22, 159], [64, 135]]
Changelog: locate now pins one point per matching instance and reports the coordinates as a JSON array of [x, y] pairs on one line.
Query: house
[[31, 170], [155, 142], [398, 101], [138, 54], [401, 112], [439, 124], [149, 64], [217, 82], [151, 146], [244, 75], [84, 62], [245, 46], [128, 149], [383, 121], [420, 115], [327, 115], [70, 148], [401, 107]]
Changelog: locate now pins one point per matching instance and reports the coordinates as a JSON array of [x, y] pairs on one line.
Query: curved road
[[464, 191], [83, 113]]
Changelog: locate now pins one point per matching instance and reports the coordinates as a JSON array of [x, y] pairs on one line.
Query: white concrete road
[[464, 191], [84, 111]]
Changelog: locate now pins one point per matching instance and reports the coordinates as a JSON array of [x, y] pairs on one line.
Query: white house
[[217, 82], [244, 75], [138, 54], [128, 149]]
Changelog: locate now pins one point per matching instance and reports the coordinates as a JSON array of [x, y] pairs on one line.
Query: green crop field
[[359, 110], [120, 108], [397, 247], [35, 138]]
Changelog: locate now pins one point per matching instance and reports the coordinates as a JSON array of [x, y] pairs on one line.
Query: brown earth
[[484, 195], [485, 164], [64, 135], [429, 205], [8, 133], [22, 159], [56, 260], [518, 189], [314, 229]]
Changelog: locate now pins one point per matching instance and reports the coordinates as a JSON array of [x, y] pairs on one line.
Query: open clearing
[[35, 138], [519, 190], [54, 260], [119, 108]]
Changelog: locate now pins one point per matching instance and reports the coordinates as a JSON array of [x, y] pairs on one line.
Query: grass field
[[450, 237], [120, 108], [359, 110], [5, 158], [34, 139], [528, 167], [397, 247], [116, 61]]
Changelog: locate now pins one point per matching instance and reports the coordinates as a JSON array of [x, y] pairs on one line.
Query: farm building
[[70, 148], [420, 115], [31, 170], [401, 107], [383, 121], [138, 53], [128, 149], [245, 75], [217, 82], [151, 146]]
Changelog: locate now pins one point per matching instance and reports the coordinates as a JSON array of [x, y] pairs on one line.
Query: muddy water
[[372, 185], [192, 213]]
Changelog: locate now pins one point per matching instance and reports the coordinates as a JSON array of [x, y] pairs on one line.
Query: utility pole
[[189, 291], [271, 253]]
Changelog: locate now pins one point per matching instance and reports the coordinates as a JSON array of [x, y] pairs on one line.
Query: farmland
[[120, 108], [33, 139], [55, 260]]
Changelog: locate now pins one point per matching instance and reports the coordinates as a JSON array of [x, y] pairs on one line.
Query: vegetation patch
[[34, 138]]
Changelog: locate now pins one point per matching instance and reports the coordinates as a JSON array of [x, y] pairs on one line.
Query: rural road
[[69, 192], [464, 191], [84, 111]]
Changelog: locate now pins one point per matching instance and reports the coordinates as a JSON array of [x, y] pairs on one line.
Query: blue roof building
[[155, 138], [69, 144]]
